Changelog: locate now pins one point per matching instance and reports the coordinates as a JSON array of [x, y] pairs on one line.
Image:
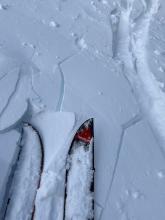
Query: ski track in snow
[[150, 84], [130, 49]]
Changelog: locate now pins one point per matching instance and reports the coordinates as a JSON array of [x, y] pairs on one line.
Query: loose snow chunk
[[54, 127], [26, 178], [54, 24], [82, 44]]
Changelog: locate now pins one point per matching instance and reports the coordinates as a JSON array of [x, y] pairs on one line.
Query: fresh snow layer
[[79, 198], [26, 177], [56, 132]]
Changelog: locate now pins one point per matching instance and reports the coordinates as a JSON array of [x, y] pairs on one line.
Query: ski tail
[[79, 189]]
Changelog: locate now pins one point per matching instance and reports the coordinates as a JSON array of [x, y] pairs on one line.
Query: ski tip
[[85, 132]]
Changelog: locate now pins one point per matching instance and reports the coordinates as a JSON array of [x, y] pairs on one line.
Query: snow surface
[[97, 58]]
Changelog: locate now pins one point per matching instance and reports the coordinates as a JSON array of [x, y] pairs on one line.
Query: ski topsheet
[[79, 192]]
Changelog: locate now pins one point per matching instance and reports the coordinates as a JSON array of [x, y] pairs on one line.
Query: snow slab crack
[[133, 121], [62, 89], [12, 94], [114, 171], [98, 204], [137, 118]]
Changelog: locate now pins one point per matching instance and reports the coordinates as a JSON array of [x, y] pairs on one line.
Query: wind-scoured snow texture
[[56, 132], [79, 197], [26, 178]]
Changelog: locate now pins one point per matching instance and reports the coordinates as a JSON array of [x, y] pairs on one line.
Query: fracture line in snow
[[125, 126], [33, 89], [114, 172], [12, 94], [5, 74], [98, 204], [137, 118], [62, 89]]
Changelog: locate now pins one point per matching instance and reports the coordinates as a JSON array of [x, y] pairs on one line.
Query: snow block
[[56, 130], [102, 85]]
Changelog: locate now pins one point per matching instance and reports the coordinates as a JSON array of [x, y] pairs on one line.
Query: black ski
[[80, 166], [19, 161]]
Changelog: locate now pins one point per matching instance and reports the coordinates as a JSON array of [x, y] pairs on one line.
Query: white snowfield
[[93, 58]]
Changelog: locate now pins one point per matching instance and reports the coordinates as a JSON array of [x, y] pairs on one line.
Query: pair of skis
[[79, 177]]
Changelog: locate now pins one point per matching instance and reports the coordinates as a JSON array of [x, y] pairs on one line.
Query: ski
[[27, 176], [79, 180], [78, 202], [6, 198]]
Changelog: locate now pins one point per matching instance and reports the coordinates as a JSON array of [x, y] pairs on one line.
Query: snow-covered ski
[[27, 176], [79, 189], [66, 191]]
